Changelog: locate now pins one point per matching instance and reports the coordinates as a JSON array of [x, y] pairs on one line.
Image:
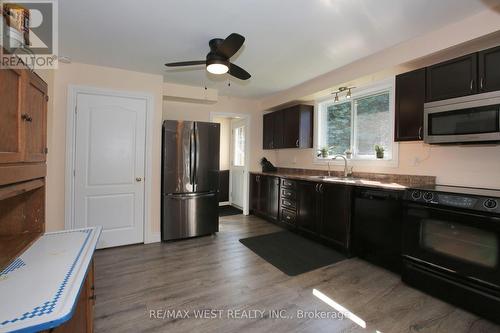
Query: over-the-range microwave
[[468, 119]]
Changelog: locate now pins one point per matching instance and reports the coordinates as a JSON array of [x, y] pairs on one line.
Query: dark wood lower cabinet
[[307, 211], [264, 196], [335, 214], [320, 210]]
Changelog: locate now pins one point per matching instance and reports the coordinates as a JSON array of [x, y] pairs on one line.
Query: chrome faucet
[[347, 171]]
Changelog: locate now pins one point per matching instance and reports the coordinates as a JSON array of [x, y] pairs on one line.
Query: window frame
[[364, 91]]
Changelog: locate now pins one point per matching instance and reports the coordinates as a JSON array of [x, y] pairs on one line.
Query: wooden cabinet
[[288, 128], [452, 78], [410, 99], [308, 216], [273, 130], [489, 70], [23, 112], [336, 214], [35, 118], [264, 196], [11, 124], [268, 131]]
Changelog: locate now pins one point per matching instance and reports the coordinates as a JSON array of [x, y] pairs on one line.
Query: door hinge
[[74, 173], [46, 98], [46, 150]]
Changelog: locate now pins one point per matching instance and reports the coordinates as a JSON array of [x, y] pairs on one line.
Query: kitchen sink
[[333, 179]]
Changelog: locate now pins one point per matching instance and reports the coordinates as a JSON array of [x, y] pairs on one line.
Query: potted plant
[[324, 152], [379, 151], [348, 153]]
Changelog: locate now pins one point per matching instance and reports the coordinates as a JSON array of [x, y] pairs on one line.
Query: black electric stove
[[451, 245], [477, 199]]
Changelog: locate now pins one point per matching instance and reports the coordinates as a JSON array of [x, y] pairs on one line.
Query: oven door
[[453, 241]]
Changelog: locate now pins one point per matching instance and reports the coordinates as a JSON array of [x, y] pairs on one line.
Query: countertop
[[389, 182], [40, 288]]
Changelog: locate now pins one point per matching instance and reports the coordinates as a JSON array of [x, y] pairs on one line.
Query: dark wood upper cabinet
[[289, 128], [298, 121], [278, 129], [410, 99], [489, 70], [268, 131], [452, 78]]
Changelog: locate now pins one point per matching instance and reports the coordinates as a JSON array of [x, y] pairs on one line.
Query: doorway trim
[[246, 118], [73, 90]]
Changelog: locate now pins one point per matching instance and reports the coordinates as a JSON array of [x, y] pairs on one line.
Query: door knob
[[138, 179]]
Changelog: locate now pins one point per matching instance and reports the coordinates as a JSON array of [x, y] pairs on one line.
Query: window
[[239, 146], [357, 124]]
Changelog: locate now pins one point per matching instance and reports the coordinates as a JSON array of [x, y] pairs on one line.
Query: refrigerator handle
[[191, 157], [197, 157]]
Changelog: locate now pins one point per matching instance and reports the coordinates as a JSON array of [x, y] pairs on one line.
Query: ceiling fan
[[217, 61]]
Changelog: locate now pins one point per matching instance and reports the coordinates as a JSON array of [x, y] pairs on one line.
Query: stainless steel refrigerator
[[190, 179]]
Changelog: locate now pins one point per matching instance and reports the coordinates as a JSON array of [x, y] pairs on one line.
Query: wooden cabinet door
[[263, 191], [307, 207], [452, 78], [291, 124], [489, 70], [278, 130], [273, 197], [336, 214], [35, 118], [11, 123], [410, 98], [268, 131]]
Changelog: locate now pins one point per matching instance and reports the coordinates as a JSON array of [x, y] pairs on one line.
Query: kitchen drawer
[[288, 203], [290, 184], [288, 216], [288, 194]]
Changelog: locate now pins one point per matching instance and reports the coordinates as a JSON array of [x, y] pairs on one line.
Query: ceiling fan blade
[[238, 72], [230, 45], [186, 63]]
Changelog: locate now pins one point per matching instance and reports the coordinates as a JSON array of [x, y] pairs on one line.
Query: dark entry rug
[[229, 210], [291, 253]]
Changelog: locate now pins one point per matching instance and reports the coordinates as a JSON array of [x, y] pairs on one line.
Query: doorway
[[234, 157], [107, 164]]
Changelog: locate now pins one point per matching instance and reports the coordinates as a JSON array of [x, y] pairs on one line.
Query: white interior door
[[109, 167], [237, 171]]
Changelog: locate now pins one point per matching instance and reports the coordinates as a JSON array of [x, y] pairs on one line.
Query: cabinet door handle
[[472, 85], [297, 143], [420, 133], [481, 83], [26, 117], [320, 188]]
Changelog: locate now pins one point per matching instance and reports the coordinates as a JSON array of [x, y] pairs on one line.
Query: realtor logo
[[28, 34]]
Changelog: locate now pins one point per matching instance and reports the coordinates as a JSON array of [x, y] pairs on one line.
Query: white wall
[[100, 77], [225, 141], [177, 110]]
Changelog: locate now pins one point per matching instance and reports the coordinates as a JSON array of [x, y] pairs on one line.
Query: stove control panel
[[454, 200]]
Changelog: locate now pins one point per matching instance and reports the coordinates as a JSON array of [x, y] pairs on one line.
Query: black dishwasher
[[377, 227]]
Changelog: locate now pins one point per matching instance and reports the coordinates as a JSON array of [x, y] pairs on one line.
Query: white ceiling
[[287, 41]]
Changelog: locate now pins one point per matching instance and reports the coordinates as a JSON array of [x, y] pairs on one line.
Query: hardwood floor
[[219, 273]]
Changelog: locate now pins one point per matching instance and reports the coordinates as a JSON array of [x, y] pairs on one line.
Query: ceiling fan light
[[217, 68]]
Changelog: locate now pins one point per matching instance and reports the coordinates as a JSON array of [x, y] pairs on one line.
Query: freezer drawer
[[189, 215]]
